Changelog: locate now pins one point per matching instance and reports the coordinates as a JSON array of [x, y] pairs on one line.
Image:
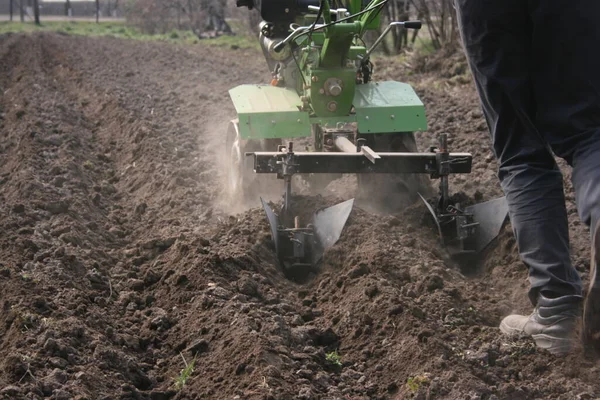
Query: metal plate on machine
[[266, 111], [390, 106], [350, 163]]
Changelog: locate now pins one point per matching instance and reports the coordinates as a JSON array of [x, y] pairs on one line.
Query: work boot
[[551, 325], [591, 306]]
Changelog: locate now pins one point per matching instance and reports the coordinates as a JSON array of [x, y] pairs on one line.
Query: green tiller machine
[[322, 95]]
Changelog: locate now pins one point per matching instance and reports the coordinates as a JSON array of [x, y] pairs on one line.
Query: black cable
[[299, 69], [319, 14]]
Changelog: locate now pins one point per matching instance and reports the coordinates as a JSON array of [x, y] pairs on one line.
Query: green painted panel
[[266, 112], [390, 106]]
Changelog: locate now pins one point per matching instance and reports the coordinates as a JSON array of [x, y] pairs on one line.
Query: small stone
[[371, 290], [59, 181], [241, 367], [220, 292], [58, 362], [396, 310], [434, 282], [18, 208], [272, 372], [248, 286], [160, 395], [137, 284], [304, 373], [11, 391], [161, 321], [141, 208], [417, 312], [297, 320], [50, 345], [58, 375], [57, 207], [60, 394], [359, 270], [305, 393], [198, 347]]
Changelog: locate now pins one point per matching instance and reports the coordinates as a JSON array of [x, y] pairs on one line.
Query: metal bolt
[[299, 121], [322, 91], [315, 78], [273, 122], [332, 106], [366, 117], [392, 116]]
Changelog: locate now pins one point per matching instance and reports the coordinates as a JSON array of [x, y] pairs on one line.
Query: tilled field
[[120, 261]]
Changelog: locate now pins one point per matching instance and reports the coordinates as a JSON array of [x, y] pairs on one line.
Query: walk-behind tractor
[[322, 95]]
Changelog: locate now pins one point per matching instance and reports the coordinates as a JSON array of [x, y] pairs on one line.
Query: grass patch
[[125, 31], [334, 358], [414, 383], [185, 373]]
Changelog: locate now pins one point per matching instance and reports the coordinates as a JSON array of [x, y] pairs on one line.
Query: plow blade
[[299, 249], [490, 216], [471, 230], [328, 225], [273, 223]]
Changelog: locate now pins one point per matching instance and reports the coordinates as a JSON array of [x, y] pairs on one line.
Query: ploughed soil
[[125, 275]]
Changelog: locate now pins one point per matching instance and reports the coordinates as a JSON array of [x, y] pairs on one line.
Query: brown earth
[[120, 262]]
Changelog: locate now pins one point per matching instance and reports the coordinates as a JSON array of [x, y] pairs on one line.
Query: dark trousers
[[536, 65]]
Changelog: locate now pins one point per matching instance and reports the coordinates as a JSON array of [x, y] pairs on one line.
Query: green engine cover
[[390, 106], [267, 112]]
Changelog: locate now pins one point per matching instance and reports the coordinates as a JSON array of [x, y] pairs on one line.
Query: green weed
[[413, 383], [185, 373], [334, 358]]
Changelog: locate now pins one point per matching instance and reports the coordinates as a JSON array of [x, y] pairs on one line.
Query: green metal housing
[[266, 112]]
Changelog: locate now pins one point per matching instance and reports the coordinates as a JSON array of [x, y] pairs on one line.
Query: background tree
[[36, 12], [161, 16], [440, 18]]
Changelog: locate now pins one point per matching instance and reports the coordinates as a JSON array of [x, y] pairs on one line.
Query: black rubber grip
[[278, 47], [413, 24]]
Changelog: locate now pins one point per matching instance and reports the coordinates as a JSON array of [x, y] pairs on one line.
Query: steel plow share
[[299, 249]]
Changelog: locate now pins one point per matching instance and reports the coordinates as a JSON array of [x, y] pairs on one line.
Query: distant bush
[[163, 16]]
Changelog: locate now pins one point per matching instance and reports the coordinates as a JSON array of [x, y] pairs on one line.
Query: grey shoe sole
[[556, 346], [591, 306], [507, 330]]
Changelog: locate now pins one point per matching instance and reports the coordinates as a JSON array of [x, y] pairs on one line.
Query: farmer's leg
[[497, 39], [566, 81], [567, 87]]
